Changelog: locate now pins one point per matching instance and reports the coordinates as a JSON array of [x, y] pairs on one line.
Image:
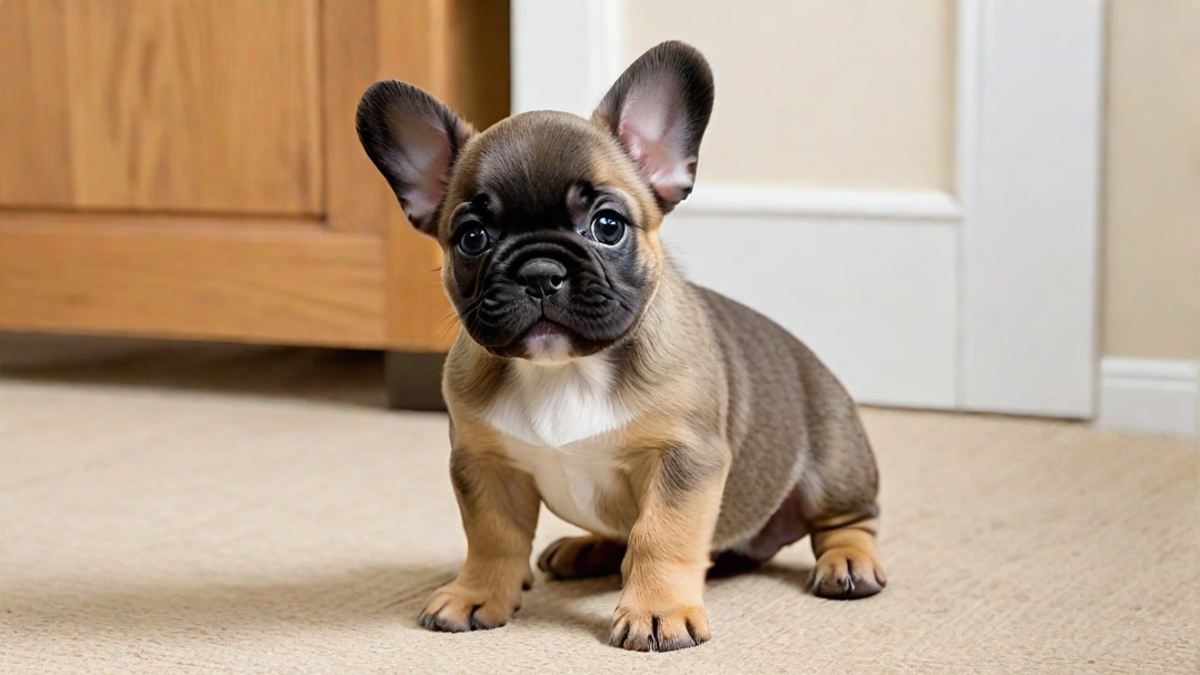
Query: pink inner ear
[[653, 131], [422, 161], [429, 154], [669, 175]]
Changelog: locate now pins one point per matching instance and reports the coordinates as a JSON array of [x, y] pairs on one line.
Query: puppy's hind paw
[[847, 573], [582, 557]]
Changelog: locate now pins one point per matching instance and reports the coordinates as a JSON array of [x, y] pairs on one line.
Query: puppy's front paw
[[663, 629], [455, 609], [847, 573]]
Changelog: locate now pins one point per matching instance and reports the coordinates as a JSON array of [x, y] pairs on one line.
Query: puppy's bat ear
[[413, 139], [658, 109]]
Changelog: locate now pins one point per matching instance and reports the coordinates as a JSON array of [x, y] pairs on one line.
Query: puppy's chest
[[561, 425]]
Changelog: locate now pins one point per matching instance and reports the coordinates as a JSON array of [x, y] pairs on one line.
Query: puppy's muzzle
[[542, 277]]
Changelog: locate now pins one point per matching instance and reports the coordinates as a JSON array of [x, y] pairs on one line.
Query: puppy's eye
[[473, 240], [608, 228]]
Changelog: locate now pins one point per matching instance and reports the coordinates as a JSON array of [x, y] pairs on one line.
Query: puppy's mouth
[[549, 335]]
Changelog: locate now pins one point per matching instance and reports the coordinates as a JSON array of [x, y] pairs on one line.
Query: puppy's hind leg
[[839, 493]]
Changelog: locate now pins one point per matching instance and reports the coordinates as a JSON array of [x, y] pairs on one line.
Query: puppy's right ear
[[413, 139], [658, 110]]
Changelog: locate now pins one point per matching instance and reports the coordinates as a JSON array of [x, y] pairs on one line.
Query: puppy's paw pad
[[457, 610], [847, 574], [580, 557], [659, 631]]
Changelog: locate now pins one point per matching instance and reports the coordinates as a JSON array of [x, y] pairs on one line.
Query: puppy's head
[[548, 222]]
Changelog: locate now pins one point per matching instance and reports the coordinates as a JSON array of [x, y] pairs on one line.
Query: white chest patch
[[557, 419], [559, 404]]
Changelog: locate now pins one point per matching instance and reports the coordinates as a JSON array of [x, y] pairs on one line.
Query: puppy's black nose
[[542, 277]]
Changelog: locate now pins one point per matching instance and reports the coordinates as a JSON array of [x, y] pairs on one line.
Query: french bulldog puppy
[[678, 427]]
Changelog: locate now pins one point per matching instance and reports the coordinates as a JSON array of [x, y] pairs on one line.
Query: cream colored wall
[[819, 93], [867, 102], [1152, 205]]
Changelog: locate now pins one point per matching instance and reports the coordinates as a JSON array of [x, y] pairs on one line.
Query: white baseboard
[[1156, 395]]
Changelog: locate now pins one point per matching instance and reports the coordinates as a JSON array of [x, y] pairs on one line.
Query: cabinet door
[[196, 106], [190, 168]]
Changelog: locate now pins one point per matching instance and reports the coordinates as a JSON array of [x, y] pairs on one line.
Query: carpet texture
[[197, 510]]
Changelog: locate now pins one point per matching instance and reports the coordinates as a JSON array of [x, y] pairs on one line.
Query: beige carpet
[[231, 510]]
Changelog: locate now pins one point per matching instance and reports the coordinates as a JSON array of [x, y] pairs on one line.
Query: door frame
[[981, 298]]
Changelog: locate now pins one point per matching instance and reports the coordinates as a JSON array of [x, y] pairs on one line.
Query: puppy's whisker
[[449, 321]]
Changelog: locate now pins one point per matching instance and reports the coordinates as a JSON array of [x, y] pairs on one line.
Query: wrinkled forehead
[[529, 163]]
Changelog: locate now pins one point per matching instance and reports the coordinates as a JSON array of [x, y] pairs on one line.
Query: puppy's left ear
[[658, 109], [414, 140]]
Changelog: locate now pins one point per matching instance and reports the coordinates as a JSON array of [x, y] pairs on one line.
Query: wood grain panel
[[34, 149], [411, 47], [478, 73], [358, 198], [261, 281], [177, 105], [415, 45], [455, 49]]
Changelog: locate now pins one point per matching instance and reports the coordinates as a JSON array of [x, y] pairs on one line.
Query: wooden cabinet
[[190, 169]]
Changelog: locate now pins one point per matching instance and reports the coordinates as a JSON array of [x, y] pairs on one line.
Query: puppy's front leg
[[499, 507], [662, 603]]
